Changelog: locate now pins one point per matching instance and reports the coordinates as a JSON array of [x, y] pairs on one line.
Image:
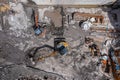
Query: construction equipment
[[38, 29], [60, 45]]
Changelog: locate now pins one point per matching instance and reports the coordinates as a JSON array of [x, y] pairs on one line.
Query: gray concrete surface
[[17, 37], [73, 2]]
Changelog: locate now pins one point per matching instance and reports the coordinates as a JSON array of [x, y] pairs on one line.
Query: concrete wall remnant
[[73, 2]]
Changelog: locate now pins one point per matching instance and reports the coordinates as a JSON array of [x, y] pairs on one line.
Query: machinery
[[39, 29], [60, 45]]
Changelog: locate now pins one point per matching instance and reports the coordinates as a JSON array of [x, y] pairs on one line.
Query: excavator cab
[[61, 45], [38, 30]]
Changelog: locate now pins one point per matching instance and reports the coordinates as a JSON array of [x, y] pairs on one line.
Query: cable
[[42, 47]]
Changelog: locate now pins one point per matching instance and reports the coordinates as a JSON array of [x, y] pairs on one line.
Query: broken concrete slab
[[72, 2], [77, 64]]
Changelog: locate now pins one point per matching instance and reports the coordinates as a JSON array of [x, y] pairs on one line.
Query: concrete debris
[[72, 22], [89, 12], [75, 43], [77, 2], [91, 47], [57, 19], [23, 1], [85, 10], [42, 12], [86, 25], [18, 21]]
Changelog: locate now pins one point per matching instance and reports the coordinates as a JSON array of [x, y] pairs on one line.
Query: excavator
[[39, 29], [60, 44]]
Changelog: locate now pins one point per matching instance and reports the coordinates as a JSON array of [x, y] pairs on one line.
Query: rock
[[86, 25]]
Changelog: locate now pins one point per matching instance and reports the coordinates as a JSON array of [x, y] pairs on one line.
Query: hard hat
[[92, 19], [105, 58]]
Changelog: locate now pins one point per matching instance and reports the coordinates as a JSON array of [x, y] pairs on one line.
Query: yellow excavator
[[60, 46]]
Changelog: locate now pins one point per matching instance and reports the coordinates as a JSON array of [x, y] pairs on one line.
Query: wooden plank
[[103, 29], [88, 15], [99, 18], [97, 38]]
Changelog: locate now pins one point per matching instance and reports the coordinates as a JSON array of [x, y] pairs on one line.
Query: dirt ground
[[17, 38]]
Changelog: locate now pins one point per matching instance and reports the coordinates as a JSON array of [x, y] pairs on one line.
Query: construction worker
[[103, 57], [107, 69], [112, 55], [105, 64], [114, 59], [104, 60], [94, 49]]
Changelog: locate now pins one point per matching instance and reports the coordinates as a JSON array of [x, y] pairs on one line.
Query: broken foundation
[[100, 23]]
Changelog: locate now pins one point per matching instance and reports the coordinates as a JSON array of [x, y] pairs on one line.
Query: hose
[[41, 48]]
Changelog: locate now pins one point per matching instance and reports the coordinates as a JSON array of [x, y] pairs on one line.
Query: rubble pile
[[91, 33]]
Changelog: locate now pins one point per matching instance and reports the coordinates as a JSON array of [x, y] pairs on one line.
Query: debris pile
[[84, 41]]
